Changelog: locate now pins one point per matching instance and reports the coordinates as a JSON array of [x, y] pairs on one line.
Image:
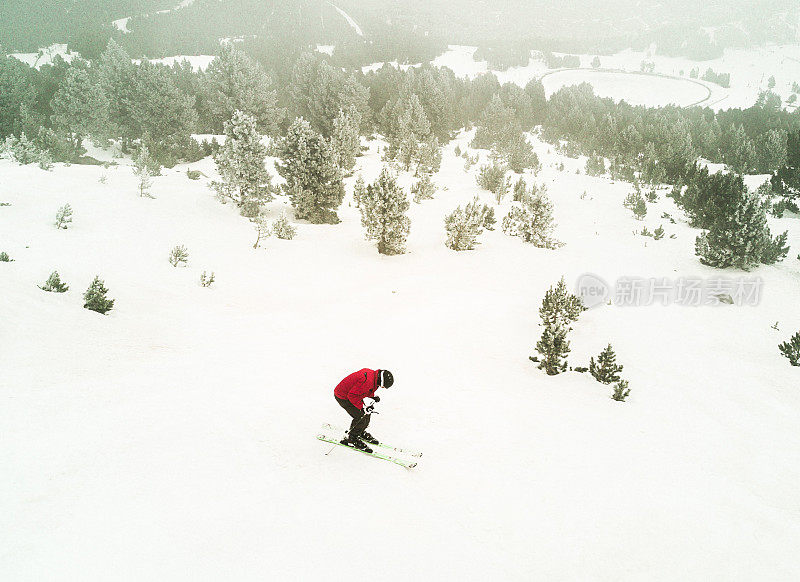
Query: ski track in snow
[[174, 438], [349, 20]]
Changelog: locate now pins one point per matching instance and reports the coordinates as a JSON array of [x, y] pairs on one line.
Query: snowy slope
[[173, 439]]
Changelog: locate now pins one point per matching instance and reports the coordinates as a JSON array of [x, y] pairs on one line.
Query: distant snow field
[[636, 89]]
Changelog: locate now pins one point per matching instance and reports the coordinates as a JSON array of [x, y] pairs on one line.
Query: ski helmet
[[385, 378]]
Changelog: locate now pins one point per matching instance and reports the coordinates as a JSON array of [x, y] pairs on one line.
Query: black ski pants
[[360, 420]]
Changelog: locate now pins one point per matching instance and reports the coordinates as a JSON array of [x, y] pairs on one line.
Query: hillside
[[174, 437]]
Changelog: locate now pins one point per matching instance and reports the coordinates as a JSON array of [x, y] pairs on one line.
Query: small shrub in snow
[[424, 189], [621, 391], [464, 226], [95, 298], [595, 166], [64, 216], [142, 169], [492, 177], [791, 349], [658, 233], [282, 229], [554, 347], [635, 203], [263, 228], [4, 258], [54, 284], [605, 370], [457, 150], [179, 255], [359, 188], [103, 179], [206, 280], [193, 174], [532, 220], [489, 220]]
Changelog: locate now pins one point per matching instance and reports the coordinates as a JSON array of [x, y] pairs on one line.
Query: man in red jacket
[[350, 394]]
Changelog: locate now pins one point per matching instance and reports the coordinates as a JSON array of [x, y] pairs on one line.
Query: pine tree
[[423, 189], [117, 76], [605, 370], [741, 238], [559, 306], [345, 139], [313, 180], [319, 92], [234, 82], [282, 229], [95, 297], [407, 126], [359, 189], [240, 163], [532, 219], [383, 214], [429, 156], [464, 226], [559, 309], [621, 391], [64, 217], [791, 349], [492, 177], [79, 108], [54, 284], [142, 165], [554, 348]]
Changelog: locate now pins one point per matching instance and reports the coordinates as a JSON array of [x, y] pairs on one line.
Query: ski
[[327, 426], [395, 460]]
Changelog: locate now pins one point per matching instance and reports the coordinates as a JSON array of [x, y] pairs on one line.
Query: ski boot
[[368, 438], [356, 443]]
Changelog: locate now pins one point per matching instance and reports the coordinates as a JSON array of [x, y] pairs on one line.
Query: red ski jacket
[[357, 386]]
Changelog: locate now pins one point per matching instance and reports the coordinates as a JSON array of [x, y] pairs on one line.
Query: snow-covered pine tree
[[359, 188], [282, 228], [791, 349], [429, 156], [80, 108], [240, 163], [741, 238], [383, 214], [142, 165], [423, 189], [235, 82], [406, 125], [345, 139], [54, 284], [605, 369], [492, 177], [532, 219], [95, 298], [464, 226], [313, 180]]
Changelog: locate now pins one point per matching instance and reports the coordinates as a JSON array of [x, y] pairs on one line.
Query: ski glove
[[376, 398]]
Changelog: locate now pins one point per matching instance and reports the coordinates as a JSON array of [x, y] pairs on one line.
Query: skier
[[350, 394]]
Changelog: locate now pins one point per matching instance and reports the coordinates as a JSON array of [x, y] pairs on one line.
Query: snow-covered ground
[[45, 55], [174, 438], [198, 62]]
